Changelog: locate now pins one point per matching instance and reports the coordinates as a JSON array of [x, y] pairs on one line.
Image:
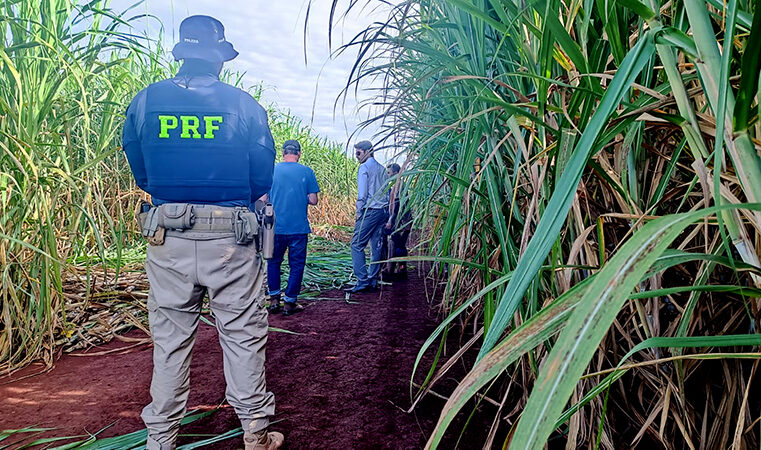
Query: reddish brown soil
[[342, 383]]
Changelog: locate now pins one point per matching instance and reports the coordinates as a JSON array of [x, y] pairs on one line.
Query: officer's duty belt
[[212, 218]]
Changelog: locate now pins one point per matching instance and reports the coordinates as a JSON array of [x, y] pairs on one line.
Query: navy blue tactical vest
[[195, 139]]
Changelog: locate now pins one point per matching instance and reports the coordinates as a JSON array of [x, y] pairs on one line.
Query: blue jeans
[[369, 228], [296, 244]]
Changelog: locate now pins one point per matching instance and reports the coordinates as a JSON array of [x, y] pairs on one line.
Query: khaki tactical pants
[[180, 272]]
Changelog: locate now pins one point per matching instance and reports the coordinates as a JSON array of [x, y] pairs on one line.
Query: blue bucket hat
[[203, 37]]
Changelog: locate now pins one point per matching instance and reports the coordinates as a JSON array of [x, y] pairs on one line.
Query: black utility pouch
[[176, 216], [246, 227]]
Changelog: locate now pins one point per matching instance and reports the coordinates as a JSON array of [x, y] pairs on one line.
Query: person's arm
[[312, 188], [392, 204], [362, 181], [261, 154], [131, 141], [258, 205]]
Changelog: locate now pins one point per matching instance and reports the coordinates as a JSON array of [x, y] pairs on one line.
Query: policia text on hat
[[204, 151]]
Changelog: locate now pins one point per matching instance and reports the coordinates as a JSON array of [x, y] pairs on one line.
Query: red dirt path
[[343, 383]]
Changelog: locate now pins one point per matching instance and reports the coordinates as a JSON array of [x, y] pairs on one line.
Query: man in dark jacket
[[204, 151], [397, 227]]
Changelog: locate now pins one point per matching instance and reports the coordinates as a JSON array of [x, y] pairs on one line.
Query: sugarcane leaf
[[677, 38], [751, 66], [666, 342], [526, 337], [590, 321], [554, 215], [540, 327], [639, 8]]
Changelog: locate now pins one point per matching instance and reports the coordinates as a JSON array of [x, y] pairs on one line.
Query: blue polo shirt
[[291, 184]]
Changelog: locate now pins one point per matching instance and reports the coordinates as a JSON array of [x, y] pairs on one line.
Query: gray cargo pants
[[180, 272]]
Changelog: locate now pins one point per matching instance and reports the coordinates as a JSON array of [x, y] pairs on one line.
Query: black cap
[[292, 144], [364, 145], [203, 37]]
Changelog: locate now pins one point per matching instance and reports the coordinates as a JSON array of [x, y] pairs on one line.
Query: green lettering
[[167, 123], [190, 123], [210, 127]]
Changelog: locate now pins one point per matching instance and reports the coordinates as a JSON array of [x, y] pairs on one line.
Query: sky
[[269, 34]]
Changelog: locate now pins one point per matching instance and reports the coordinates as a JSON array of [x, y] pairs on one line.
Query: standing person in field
[[294, 188], [397, 227], [371, 216], [203, 150]]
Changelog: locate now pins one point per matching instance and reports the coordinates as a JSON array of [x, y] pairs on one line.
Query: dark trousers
[[399, 243], [397, 248], [296, 244]]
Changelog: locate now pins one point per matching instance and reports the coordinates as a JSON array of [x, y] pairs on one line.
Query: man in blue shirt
[[372, 214], [294, 188], [203, 150]]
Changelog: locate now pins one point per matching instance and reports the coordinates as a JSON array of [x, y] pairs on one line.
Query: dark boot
[[274, 304], [387, 276], [291, 308]]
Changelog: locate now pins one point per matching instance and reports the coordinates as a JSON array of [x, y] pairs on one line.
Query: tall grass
[[563, 156], [63, 88]]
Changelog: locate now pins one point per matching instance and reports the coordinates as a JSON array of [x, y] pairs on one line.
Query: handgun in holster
[[267, 236]]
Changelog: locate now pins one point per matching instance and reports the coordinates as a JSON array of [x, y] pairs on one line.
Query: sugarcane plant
[[587, 176], [65, 72]]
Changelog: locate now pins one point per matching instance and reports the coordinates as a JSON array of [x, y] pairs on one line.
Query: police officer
[[204, 151]]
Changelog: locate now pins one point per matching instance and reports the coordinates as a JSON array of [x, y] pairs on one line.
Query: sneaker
[[274, 304], [292, 308], [263, 440]]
